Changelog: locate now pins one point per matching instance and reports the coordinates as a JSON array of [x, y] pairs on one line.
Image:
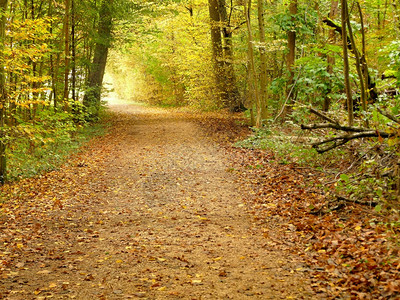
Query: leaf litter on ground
[[349, 249], [103, 225], [348, 252]]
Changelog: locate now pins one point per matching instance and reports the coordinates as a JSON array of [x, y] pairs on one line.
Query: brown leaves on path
[[348, 249], [148, 211]]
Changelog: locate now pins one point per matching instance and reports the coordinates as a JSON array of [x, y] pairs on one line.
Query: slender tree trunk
[[346, 63], [3, 95], [51, 62], [34, 84], [331, 58], [67, 4], [364, 66], [384, 13], [56, 82], [396, 18], [232, 97], [290, 60], [358, 66], [73, 50], [54, 66], [250, 101], [253, 87], [92, 98], [378, 11], [216, 46], [263, 60], [372, 91], [12, 77]]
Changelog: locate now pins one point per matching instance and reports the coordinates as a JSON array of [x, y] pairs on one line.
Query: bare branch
[[323, 116], [343, 139], [335, 126]]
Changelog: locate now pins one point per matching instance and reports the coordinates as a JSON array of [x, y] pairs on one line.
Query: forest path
[[149, 211]]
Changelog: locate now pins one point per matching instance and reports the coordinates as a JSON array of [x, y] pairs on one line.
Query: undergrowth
[[361, 171], [42, 147], [290, 145]]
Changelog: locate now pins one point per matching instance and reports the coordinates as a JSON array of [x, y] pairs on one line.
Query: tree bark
[[216, 47], [373, 94], [330, 58], [290, 59], [263, 60], [346, 64], [358, 65], [232, 96], [351, 132], [3, 95], [92, 98], [73, 46], [253, 86], [67, 4]]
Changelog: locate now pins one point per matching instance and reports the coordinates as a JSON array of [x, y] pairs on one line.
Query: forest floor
[[152, 210]]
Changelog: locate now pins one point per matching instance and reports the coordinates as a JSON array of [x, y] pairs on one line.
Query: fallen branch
[[323, 116], [339, 203], [355, 132], [343, 139], [335, 126], [347, 200]]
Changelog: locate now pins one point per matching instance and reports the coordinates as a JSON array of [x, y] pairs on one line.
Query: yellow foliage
[[171, 65]]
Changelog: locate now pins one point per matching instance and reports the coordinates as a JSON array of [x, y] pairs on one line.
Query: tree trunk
[[73, 42], [216, 46], [253, 86], [232, 97], [372, 91], [67, 4], [331, 58], [3, 95], [290, 59], [263, 60], [92, 98], [384, 13], [358, 62], [378, 11], [346, 63]]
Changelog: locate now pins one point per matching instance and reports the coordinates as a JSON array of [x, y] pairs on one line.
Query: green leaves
[[345, 178]]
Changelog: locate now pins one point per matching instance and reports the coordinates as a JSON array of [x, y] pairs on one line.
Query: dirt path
[[149, 212]]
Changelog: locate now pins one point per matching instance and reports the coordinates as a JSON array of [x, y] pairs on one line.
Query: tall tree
[[263, 60], [3, 93], [222, 54], [216, 46], [92, 98], [253, 86], [331, 58], [73, 48], [67, 4], [231, 92], [346, 70], [358, 63], [291, 57]]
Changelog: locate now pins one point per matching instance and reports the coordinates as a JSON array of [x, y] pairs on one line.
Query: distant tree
[[222, 54]]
